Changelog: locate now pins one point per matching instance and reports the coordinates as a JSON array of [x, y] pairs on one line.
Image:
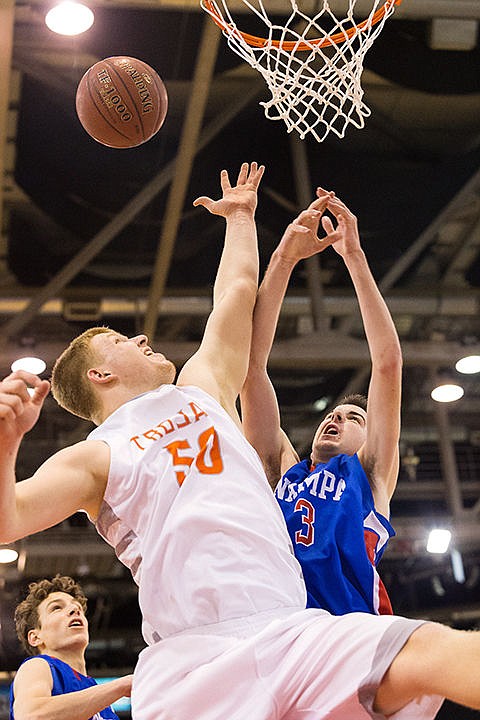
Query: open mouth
[[75, 623], [331, 431]]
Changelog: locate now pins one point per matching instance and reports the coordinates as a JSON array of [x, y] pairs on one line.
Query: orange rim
[[289, 45]]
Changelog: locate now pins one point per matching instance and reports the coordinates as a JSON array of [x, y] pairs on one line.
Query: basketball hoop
[[312, 65]]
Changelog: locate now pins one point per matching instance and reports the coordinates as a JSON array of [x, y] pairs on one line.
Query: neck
[[73, 657], [117, 398]]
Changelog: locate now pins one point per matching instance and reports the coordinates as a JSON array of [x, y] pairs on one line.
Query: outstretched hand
[[300, 239], [243, 196], [344, 238], [19, 410]]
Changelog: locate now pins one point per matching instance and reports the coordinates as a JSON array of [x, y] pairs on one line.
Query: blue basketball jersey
[[66, 680], [337, 535]]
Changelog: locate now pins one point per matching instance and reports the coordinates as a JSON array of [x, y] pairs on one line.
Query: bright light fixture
[[447, 392], [438, 540], [8, 555], [457, 566], [468, 365], [320, 404], [69, 18], [30, 364]]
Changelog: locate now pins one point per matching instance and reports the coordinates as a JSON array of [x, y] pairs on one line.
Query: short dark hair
[[355, 399], [26, 612]]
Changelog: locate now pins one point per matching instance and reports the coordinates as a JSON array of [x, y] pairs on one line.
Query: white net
[[312, 65]]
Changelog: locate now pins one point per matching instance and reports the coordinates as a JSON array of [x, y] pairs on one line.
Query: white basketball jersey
[[188, 509]]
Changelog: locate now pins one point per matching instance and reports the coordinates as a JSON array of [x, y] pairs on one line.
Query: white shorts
[[308, 665]]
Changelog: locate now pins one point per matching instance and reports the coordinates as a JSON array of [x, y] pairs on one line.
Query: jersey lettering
[[208, 460], [322, 484], [306, 535], [179, 460], [185, 416]]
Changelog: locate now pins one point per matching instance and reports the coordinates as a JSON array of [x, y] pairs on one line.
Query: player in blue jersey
[[53, 682], [336, 502]]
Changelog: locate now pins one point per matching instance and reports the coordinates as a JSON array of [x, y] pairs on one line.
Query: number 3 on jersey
[[306, 535], [208, 460]]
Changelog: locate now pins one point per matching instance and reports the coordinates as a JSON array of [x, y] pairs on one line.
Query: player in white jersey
[[171, 482]]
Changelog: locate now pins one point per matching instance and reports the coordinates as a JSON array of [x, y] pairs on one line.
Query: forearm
[[8, 505], [79, 705], [239, 260], [380, 452], [270, 297], [260, 411], [380, 331]]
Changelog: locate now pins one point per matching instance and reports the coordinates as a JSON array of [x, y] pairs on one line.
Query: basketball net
[[312, 65]]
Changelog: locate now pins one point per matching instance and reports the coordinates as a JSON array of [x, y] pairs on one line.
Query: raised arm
[[379, 455], [75, 477], [220, 364], [34, 699], [260, 411]]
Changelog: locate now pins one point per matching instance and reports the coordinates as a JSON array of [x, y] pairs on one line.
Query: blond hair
[[70, 385]]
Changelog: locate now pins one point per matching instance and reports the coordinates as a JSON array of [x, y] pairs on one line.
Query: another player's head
[[343, 429], [102, 362], [52, 615]]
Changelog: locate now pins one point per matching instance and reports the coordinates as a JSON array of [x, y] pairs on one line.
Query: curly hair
[[26, 612]]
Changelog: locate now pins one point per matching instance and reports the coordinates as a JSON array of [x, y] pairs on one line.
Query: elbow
[[8, 534], [30, 714], [243, 292], [246, 287], [6, 538], [391, 362]]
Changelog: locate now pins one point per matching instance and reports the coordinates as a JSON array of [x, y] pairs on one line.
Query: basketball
[[121, 102]]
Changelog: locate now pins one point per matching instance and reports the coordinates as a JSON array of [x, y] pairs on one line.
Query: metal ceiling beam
[[317, 351], [200, 90], [6, 45], [465, 256], [450, 474], [130, 302], [124, 217], [416, 10], [68, 546], [303, 184], [463, 204], [466, 200]]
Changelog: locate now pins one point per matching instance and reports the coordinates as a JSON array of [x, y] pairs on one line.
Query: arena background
[[411, 176]]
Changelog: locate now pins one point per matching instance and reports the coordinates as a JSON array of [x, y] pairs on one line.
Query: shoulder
[[34, 668], [91, 455], [298, 470]]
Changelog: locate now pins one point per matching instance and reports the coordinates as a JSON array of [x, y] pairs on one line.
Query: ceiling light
[[8, 555], [69, 18], [438, 540], [320, 404], [437, 586], [468, 365], [447, 392], [457, 566], [29, 364]]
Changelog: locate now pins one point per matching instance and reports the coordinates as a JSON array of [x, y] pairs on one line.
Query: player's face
[[62, 624], [342, 431], [132, 360]]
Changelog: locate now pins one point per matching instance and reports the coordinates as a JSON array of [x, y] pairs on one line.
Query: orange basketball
[[121, 102]]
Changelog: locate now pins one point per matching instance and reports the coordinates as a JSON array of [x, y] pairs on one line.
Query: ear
[[100, 377], [33, 638]]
